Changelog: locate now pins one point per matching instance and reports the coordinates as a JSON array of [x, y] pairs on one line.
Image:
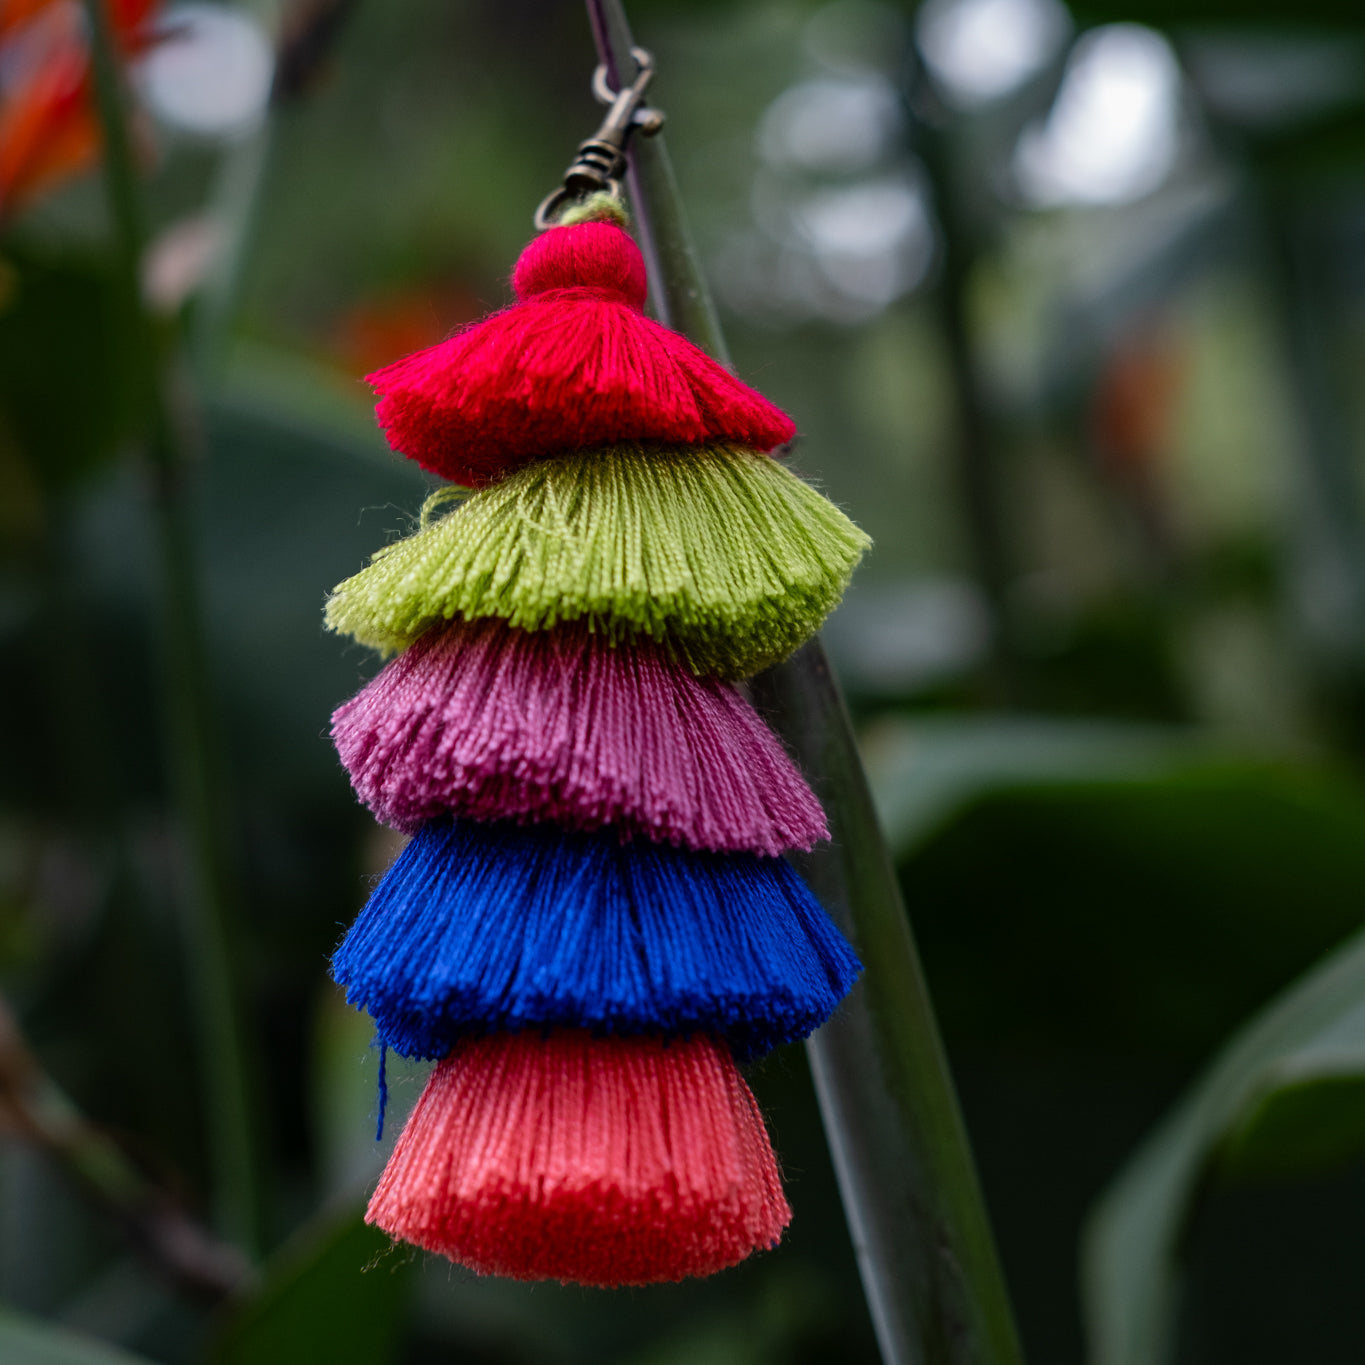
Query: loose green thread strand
[[437, 502], [720, 554]]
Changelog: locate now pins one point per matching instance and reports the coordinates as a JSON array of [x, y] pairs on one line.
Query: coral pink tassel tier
[[601, 1161]]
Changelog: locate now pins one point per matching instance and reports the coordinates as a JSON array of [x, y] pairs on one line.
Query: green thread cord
[[599, 207], [722, 555]]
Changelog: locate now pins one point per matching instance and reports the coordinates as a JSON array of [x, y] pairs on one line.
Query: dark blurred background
[[1069, 306]]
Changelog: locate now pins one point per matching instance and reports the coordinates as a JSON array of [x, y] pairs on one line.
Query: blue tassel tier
[[478, 927]]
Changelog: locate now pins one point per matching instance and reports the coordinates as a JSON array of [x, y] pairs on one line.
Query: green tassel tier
[[722, 555]]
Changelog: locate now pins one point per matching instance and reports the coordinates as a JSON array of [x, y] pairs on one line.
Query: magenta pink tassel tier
[[479, 720]]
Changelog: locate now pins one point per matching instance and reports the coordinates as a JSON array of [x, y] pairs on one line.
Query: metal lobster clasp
[[601, 160]]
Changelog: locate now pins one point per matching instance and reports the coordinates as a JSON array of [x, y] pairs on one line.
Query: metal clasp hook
[[601, 160]]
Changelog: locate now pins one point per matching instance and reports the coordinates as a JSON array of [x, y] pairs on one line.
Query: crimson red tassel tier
[[575, 363], [596, 1161]]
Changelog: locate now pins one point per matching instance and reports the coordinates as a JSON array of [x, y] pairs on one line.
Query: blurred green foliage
[[1111, 863], [27, 1341]]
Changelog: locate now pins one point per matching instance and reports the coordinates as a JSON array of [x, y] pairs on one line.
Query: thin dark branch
[[310, 32], [148, 1217]]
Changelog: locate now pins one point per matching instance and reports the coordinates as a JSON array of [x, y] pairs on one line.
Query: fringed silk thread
[[481, 720], [598, 1161], [479, 927], [722, 555], [574, 364]]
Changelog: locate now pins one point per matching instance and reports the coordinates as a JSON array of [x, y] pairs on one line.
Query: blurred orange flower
[[373, 333], [48, 129], [1135, 397]]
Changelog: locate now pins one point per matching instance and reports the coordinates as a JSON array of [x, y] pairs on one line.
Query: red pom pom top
[[598, 256], [573, 364]]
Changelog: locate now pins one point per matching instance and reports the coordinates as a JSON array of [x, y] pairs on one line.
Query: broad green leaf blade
[[27, 1340], [61, 315], [335, 1292], [1300, 1126], [924, 771], [1308, 1112], [1294, 1076]]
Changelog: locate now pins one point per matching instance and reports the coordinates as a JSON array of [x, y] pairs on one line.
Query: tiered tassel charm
[[592, 920]]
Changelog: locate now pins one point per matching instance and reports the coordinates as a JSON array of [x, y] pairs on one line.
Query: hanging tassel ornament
[[592, 921]]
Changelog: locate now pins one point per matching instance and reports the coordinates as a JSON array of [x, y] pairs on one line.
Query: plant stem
[[302, 49], [1327, 505], [678, 294], [236, 199], [190, 722], [977, 463], [900, 1149]]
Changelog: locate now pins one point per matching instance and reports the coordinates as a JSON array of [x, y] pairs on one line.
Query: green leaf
[[1299, 1127], [335, 1292], [30, 1341], [63, 337], [924, 771], [1287, 1095], [1092, 877], [1309, 1113]]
